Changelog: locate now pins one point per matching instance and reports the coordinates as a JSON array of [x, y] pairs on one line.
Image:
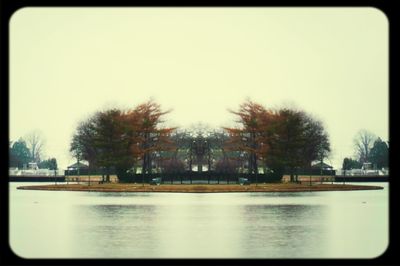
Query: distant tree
[[379, 154], [181, 140], [363, 143], [193, 147], [227, 165], [189, 153], [173, 165], [218, 151], [19, 154], [35, 142], [200, 151], [50, 164], [349, 164]]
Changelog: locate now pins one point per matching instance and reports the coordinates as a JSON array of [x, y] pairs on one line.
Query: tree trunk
[[291, 175], [108, 175]]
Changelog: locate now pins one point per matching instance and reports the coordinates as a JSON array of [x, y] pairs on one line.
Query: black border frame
[[7, 256]]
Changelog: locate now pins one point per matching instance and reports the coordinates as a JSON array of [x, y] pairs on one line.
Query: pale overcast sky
[[67, 63]]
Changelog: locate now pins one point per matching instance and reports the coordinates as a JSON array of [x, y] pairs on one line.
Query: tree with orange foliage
[[284, 140], [116, 139], [247, 138], [153, 138]]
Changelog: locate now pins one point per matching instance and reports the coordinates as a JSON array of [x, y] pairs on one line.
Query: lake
[[334, 224]]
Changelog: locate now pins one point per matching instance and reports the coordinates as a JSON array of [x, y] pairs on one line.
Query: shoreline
[[200, 188]]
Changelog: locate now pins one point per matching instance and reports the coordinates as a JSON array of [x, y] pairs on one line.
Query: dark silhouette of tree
[[227, 165], [200, 151], [181, 142], [50, 164], [19, 154], [293, 139], [173, 165], [349, 164], [379, 154]]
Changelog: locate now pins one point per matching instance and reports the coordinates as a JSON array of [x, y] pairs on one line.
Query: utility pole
[[78, 169]]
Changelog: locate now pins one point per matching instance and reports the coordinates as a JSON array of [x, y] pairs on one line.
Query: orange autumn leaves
[[278, 139], [282, 138], [116, 138]]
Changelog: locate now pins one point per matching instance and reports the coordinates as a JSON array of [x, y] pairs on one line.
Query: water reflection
[[274, 231], [114, 231], [208, 230], [190, 225]]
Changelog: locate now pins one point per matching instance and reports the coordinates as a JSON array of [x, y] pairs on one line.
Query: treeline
[[133, 140], [368, 148], [29, 150]]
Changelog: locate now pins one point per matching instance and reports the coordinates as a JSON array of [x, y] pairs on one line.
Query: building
[[79, 165], [322, 165]]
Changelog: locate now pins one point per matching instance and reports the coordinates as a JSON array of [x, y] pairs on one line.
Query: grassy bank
[[281, 187]]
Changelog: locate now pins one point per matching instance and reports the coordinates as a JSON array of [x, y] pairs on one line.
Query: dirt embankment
[[213, 188]]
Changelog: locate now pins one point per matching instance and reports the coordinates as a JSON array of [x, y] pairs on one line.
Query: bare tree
[[363, 142], [35, 142]]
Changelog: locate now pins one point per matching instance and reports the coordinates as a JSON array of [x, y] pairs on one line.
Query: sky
[[67, 63]]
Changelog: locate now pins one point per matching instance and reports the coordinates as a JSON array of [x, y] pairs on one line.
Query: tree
[[181, 141], [113, 141], [349, 164], [363, 143], [19, 154], [317, 145], [197, 146], [217, 148], [154, 139], [173, 165], [50, 164], [83, 142], [107, 140], [116, 139], [35, 143], [379, 154], [244, 139], [227, 165], [292, 140], [282, 139]]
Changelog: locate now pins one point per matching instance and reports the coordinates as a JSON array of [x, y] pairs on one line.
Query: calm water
[[57, 224]]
